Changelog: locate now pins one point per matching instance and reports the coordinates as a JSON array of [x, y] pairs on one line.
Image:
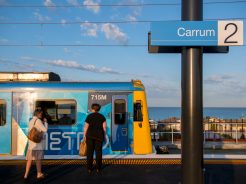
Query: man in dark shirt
[[94, 133]]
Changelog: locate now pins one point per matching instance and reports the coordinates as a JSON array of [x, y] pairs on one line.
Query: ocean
[[159, 113]]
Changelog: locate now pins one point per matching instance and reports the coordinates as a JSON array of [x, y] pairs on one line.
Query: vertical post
[[172, 134], [231, 129], [204, 135], [236, 133], [192, 101]]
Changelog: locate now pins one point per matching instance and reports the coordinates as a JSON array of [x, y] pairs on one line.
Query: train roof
[[134, 85], [29, 76]]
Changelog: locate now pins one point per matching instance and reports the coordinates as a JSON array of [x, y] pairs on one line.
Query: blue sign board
[[196, 33], [184, 33]]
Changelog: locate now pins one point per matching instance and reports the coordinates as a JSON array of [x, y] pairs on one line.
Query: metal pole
[[204, 136], [236, 133], [192, 102], [172, 134]]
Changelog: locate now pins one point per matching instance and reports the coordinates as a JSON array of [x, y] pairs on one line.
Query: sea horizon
[[203, 107], [159, 113]]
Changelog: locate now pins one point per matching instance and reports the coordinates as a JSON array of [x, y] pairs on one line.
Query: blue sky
[[224, 74]]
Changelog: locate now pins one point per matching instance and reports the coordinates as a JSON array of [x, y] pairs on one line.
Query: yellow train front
[[66, 105]]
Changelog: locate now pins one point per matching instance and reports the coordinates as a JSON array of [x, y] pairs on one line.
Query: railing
[[213, 132]]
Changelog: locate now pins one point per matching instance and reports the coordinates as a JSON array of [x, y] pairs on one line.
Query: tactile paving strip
[[124, 162], [105, 161]]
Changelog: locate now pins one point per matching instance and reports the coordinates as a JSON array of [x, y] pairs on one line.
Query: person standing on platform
[[35, 151], [94, 134]]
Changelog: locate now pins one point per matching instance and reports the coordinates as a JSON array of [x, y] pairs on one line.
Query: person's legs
[[90, 149], [39, 168], [28, 166], [98, 149]]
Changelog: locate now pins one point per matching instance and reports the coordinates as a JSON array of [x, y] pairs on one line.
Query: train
[[66, 106]]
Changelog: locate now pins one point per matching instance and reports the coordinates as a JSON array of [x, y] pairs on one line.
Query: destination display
[[197, 33]]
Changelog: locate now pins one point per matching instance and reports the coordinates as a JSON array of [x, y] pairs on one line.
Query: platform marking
[[125, 162]]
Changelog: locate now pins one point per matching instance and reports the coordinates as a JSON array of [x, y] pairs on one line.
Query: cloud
[[78, 66], [113, 32], [73, 65], [225, 84], [66, 50], [49, 4], [63, 22], [134, 11], [133, 15], [89, 29], [131, 18], [4, 40], [10, 65], [73, 2], [110, 31], [3, 2], [162, 89], [92, 6], [218, 79], [40, 17], [108, 70], [3, 18], [162, 92]]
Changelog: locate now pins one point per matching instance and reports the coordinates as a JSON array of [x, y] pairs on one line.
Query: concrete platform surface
[[74, 171]]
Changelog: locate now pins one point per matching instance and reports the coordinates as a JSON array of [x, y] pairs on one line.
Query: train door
[[119, 128], [5, 122]]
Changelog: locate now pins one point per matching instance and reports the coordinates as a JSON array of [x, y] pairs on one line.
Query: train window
[[138, 114], [58, 112], [120, 111], [2, 112]]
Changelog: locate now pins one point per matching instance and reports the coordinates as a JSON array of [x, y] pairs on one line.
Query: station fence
[[233, 131]]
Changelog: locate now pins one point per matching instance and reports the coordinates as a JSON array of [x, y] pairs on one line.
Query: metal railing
[[213, 132]]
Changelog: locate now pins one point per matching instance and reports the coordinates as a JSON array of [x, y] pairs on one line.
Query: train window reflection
[[58, 112], [120, 111], [138, 114], [2, 112]]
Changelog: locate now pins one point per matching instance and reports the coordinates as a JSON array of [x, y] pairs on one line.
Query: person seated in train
[[65, 119], [94, 134], [35, 151], [47, 116]]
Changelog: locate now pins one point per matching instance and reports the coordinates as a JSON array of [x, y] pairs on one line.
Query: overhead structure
[[29, 76]]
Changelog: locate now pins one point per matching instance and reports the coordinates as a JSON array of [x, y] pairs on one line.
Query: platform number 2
[[230, 32]]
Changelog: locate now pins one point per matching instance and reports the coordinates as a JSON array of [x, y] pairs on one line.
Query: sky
[[67, 24]]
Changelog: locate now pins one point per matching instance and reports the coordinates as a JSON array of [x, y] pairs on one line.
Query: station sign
[[197, 33]]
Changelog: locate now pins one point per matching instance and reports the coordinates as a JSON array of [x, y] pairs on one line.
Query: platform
[[219, 155], [123, 171], [221, 166]]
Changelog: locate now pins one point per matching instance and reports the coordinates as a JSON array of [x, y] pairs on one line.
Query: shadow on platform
[[75, 172]]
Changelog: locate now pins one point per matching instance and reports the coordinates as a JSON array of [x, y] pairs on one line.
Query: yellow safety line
[[125, 162]]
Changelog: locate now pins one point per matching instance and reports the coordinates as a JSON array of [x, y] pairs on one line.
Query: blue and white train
[[66, 105]]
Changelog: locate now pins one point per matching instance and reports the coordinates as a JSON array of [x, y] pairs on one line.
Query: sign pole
[[192, 37], [192, 101]]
